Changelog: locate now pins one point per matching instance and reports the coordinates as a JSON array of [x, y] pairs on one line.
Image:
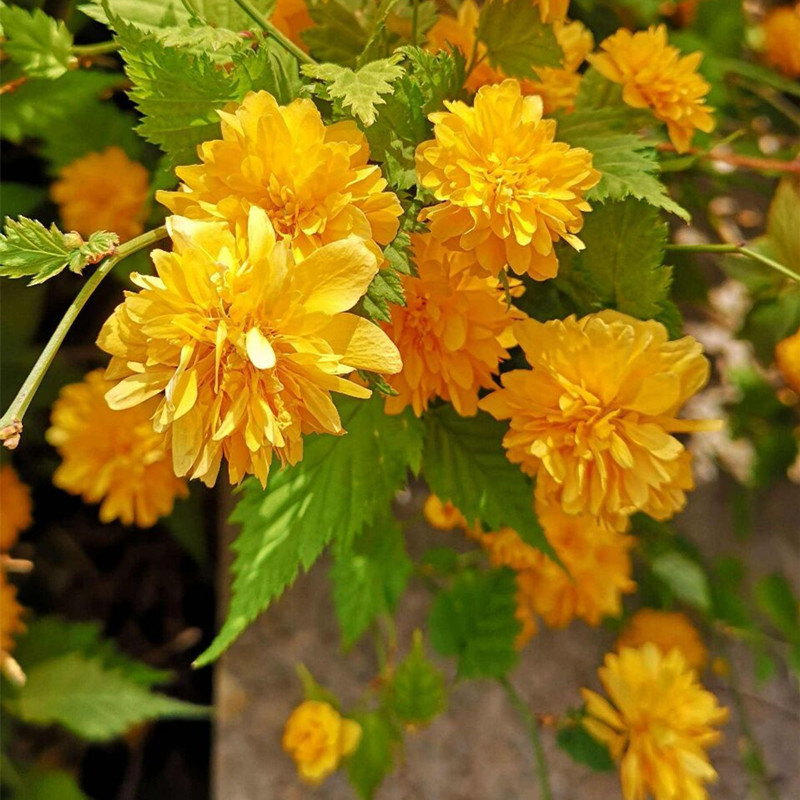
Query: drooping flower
[[318, 737], [506, 189], [103, 191], [655, 75], [442, 516], [292, 19], [558, 86], [781, 30], [312, 180], [593, 417], [666, 630], [114, 458], [659, 724], [787, 357], [597, 561], [242, 346], [15, 507], [452, 332]]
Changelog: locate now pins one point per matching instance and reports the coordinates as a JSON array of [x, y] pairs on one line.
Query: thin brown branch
[[755, 163]]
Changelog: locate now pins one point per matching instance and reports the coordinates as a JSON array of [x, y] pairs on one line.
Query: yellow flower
[[449, 33], [593, 417], [451, 333], [312, 180], [10, 620], [552, 10], [15, 507], [558, 86], [242, 346], [787, 357], [596, 557], [291, 18], [112, 457], [103, 191], [654, 75], [781, 29], [658, 725], [507, 190], [666, 630], [442, 516], [317, 737]]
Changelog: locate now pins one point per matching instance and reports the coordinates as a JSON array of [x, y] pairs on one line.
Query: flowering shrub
[[366, 248]]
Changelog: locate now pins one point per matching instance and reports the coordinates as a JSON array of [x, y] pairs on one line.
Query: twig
[[754, 163], [735, 249]]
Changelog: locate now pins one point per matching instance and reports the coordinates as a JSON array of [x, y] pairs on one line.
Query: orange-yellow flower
[[787, 357], [659, 723], [654, 75], [597, 561], [242, 346], [10, 624], [103, 191], [291, 18], [15, 507], [114, 458], [781, 29], [318, 737], [312, 180], [558, 86], [666, 630], [593, 417], [506, 189], [451, 333], [552, 10], [442, 516]]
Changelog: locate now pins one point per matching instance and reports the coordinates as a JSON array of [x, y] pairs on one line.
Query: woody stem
[[16, 411]]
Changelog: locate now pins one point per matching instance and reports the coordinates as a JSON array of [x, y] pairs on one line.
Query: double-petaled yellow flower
[[654, 75], [318, 737], [666, 630], [593, 418], [451, 333], [242, 346], [114, 458], [658, 725], [506, 190], [313, 180]]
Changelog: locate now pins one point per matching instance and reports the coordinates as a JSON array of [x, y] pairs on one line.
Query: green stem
[[272, 31], [99, 49], [16, 411], [532, 724], [736, 249]]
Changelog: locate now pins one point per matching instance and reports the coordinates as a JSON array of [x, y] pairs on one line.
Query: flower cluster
[[658, 724], [318, 737]]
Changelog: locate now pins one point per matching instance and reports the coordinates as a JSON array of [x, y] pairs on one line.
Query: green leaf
[[87, 698], [337, 36], [464, 462], [621, 266], [17, 199], [386, 287], [369, 577], [359, 90], [40, 784], [474, 621], [776, 600], [583, 748], [27, 248], [39, 44], [516, 39], [374, 758], [628, 164], [417, 692], [685, 579], [341, 485]]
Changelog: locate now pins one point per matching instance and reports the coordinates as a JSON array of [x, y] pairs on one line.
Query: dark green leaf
[[417, 693], [685, 578], [40, 784], [39, 44], [776, 600], [374, 758], [338, 36], [583, 748]]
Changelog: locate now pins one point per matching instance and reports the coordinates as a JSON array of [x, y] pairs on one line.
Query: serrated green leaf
[[475, 621], [340, 486], [621, 266], [370, 576], [39, 44], [337, 36], [359, 90], [87, 698], [41, 784], [516, 39], [417, 691], [374, 758], [627, 163], [583, 748], [27, 248], [777, 601], [685, 578], [464, 462]]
